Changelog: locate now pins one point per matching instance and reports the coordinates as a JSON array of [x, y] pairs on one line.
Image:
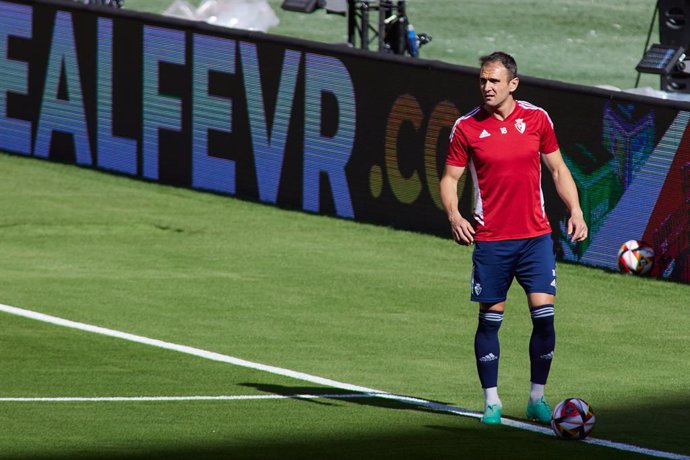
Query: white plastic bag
[[238, 14]]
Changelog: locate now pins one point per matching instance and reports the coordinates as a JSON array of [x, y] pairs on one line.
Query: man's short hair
[[504, 58]]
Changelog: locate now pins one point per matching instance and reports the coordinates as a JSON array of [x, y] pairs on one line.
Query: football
[[572, 418], [636, 257]]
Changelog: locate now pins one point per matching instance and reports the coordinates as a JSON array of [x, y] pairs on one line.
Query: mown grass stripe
[[367, 392]]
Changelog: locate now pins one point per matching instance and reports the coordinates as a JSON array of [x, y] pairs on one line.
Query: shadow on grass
[[449, 441], [658, 425], [423, 433], [328, 396]]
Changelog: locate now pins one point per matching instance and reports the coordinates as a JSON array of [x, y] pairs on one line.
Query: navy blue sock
[[487, 348], [542, 343]]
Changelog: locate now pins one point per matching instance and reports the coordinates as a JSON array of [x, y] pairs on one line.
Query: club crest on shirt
[[520, 125]]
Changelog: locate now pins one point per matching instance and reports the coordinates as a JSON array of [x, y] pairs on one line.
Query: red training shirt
[[504, 159]]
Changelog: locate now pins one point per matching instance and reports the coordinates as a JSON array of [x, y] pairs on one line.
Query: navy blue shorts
[[531, 261]]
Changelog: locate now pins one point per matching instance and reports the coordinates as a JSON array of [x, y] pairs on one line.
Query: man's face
[[495, 85]]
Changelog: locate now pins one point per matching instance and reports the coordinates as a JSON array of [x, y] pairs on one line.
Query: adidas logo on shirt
[[484, 134]]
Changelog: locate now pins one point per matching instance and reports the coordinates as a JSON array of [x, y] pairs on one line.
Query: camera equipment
[[394, 32], [391, 30]]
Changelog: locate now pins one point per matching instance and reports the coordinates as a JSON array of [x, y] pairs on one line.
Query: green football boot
[[539, 411], [492, 415]]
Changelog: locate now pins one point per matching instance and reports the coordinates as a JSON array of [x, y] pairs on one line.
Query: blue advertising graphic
[[319, 128]]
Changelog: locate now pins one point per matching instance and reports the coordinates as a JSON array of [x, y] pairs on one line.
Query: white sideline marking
[[184, 398], [369, 392]]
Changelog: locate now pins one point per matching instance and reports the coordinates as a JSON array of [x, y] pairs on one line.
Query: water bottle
[[412, 45]]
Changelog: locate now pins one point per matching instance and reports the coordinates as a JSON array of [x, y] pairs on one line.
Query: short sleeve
[[458, 148], [548, 142]]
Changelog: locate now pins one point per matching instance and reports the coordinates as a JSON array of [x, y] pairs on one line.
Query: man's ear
[[513, 84]]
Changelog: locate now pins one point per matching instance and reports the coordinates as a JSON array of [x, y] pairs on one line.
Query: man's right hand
[[463, 232]]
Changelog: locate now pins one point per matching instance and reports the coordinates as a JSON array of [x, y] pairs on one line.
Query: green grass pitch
[[356, 303]]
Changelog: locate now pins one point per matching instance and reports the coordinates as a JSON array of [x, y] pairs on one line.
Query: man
[[503, 143]]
